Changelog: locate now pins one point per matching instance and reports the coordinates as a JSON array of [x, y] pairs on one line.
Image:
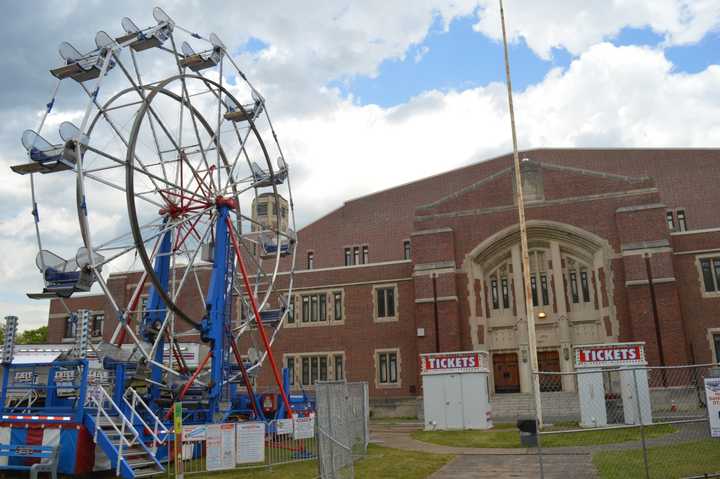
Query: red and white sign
[[461, 362], [613, 354]]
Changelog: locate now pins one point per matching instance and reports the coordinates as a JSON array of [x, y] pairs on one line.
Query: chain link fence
[[343, 412], [644, 422]]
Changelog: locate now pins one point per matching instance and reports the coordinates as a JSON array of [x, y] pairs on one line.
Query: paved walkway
[[469, 466]]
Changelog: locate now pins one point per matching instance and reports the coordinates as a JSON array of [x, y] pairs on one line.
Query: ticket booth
[[455, 390], [597, 365]]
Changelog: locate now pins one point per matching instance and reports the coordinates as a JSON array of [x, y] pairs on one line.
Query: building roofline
[[498, 157]]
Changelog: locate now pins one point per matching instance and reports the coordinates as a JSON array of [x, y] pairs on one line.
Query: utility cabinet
[[455, 390]]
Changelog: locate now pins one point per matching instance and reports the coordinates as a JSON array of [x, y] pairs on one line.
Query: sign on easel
[[712, 394]]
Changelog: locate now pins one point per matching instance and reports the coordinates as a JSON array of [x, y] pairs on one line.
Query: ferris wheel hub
[[226, 201]]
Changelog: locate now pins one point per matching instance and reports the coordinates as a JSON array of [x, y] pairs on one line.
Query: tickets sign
[[460, 362], [614, 354]]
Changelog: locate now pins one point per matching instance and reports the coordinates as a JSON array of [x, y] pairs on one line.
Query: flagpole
[[523, 234]]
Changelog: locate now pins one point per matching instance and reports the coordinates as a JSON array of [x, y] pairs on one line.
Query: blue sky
[[441, 62]]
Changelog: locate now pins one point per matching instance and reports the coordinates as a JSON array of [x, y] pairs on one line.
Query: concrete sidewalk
[[497, 466]]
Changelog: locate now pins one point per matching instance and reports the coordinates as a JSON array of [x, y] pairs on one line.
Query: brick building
[[624, 246]]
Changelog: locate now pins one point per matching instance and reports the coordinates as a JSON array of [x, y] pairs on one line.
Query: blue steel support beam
[[153, 319], [217, 298]]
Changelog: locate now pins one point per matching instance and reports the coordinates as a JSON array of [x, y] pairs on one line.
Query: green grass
[[680, 460], [380, 462], [396, 464], [506, 436]]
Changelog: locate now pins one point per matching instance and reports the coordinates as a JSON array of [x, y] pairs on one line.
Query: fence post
[[642, 425], [539, 443]]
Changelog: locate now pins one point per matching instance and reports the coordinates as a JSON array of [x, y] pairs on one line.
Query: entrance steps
[[557, 406]]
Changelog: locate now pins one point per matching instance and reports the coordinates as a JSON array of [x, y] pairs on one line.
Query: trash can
[[528, 432]]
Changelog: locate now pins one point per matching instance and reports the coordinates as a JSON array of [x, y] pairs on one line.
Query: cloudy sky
[[367, 95]]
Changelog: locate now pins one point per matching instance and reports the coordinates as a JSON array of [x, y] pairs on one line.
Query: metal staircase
[[129, 442]]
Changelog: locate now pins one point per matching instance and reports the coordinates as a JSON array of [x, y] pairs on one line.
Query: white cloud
[[578, 25], [609, 97]]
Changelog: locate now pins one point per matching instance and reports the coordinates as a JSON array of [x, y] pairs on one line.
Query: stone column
[[566, 365], [521, 328]]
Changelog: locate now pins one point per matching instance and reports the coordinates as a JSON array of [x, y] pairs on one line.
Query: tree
[[33, 336]]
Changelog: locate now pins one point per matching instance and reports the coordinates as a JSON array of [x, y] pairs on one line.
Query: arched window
[[578, 279], [539, 282], [500, 293]]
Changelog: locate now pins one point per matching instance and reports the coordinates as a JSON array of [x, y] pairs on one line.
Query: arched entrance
[[571, 281]]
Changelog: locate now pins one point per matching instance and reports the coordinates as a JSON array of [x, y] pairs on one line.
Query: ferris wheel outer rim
[[129, 192]]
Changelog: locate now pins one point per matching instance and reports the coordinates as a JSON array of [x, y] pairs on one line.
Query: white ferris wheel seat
[[150, 37], [262, 178], [197, 61], [77, 66], [237, 113], [270, 246], [64, 277], [49, 158]]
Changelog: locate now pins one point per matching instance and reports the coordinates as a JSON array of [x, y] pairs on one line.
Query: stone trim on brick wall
[[396, 297], [701, 281], [376, 370]]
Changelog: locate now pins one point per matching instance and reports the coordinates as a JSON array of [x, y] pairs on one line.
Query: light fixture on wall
[[542, 315], [524, 356], [566, 354]]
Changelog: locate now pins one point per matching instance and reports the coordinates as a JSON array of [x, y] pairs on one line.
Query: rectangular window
[[505, 293], [310, 260], [97, 325], [365, 255], [322, 300], [383, 364], [385, 302], [283, 212], [291, 310], [533, 288], [387, 368], [261, 209], [339, 373], [338, 306], [313, 369], [544, 289], [682, 221], [305, 371], [392, 368], [716, 340], [670, 218], [585, 286], [305, 309], [574, 287], [313, 308], [70, 326], [711, 274], [494, 290], [406, 249], [291, 370], [356, 255], [323, 368], [348, 257]]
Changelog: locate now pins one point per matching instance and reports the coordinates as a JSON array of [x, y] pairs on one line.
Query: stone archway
[[571, 285]]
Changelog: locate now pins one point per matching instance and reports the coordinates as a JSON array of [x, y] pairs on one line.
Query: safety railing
[[99, 397], [157, 429]]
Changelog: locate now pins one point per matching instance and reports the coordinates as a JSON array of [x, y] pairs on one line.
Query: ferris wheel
[[168, 164]]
